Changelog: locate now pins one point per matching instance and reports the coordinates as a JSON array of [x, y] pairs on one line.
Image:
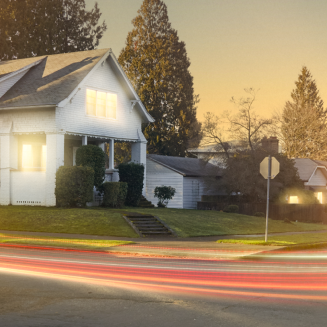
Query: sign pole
[[268, 189]]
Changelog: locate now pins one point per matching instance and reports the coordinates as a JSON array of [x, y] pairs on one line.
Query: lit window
[[319, 196], [101, 104], [34, 156], [294, 199]]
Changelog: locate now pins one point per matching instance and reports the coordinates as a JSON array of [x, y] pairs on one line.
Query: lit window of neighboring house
[[101, 104], [294, 199], [319, 196], [34, 156]]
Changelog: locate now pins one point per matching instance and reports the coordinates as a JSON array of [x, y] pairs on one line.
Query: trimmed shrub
[[114, 194], [94, 157], [74, 186], [164, 194], [259, 214], [133, 175], [233, 208]]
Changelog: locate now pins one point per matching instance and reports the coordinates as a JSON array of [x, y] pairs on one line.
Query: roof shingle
[[49, 82], [189, 167]]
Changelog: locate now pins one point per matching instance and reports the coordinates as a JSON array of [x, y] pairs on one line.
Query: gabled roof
[[306, 167], [55, 78], [51, 81], [188, 167]]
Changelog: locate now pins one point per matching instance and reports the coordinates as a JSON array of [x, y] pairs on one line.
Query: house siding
[[318, 179], [21, 191], [30, 121], [192, 191], [158, 175], [72, 117]]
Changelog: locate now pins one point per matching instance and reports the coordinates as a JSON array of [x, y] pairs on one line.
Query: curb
[[289, 248]]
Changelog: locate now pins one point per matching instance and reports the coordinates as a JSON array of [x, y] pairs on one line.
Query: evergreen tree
[[156, 62], [39, 27], [303, 121]]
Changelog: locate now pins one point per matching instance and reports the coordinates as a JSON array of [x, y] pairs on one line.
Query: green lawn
[[206, 222], [61, 242], [109, 222], [282, 240], [71, 221]]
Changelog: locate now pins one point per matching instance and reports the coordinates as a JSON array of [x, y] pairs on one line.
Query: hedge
[[92, 156], [74, 186], [133, 175], [114, 194]]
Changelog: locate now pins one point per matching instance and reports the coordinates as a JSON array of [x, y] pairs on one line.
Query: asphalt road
[[56, 288]]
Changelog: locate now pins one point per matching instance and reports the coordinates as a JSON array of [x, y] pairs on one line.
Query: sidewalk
[[192, 247]]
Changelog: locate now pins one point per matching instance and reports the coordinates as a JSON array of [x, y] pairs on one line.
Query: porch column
[[5, 161], [55, 159], [5, 169], [139, 155], [111, 154], [84, 140]]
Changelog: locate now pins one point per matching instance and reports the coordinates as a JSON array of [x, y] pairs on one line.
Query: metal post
[[268, 189]]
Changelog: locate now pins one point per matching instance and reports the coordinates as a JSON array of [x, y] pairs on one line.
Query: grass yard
[[60, 242], [188, 223], [70, 221], [109, 222], [282, 240]]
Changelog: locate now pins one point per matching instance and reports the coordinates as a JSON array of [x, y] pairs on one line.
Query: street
[[76, 288]]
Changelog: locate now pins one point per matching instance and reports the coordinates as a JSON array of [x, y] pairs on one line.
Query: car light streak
[[169, 288], [241, 279]]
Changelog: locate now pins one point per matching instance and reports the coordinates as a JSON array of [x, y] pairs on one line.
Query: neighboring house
[[51, 105], [186, 175], [215, 154], [313, 173]]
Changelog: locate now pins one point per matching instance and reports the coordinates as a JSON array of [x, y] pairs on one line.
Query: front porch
[[29, 163]]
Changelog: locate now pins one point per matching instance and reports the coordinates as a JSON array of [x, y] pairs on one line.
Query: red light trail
[[219, 278]]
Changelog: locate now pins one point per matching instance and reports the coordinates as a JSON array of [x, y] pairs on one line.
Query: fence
[[314, 213]]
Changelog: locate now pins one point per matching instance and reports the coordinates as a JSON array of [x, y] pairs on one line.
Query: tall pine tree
[[303, 121], [156, 62], [40, 27]]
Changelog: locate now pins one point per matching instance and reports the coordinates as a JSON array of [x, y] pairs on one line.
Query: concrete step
[[148, 225]]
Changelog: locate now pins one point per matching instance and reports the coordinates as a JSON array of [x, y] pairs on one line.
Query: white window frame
[[100, 90]]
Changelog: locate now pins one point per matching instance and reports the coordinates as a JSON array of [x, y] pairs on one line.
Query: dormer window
[[101, 104]]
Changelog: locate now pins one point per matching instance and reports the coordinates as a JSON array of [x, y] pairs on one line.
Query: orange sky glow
[[236, 44]]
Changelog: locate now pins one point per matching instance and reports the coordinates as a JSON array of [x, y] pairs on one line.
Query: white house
[[51, 105], [186, 175], [313, 173]]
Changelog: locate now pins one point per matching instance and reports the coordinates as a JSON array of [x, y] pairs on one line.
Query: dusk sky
[[234, 44]]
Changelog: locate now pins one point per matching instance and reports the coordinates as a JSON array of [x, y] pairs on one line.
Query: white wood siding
[[31, 121], [318, 179], [193, 189], [28, 188], [73, 118], [158, 175]]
